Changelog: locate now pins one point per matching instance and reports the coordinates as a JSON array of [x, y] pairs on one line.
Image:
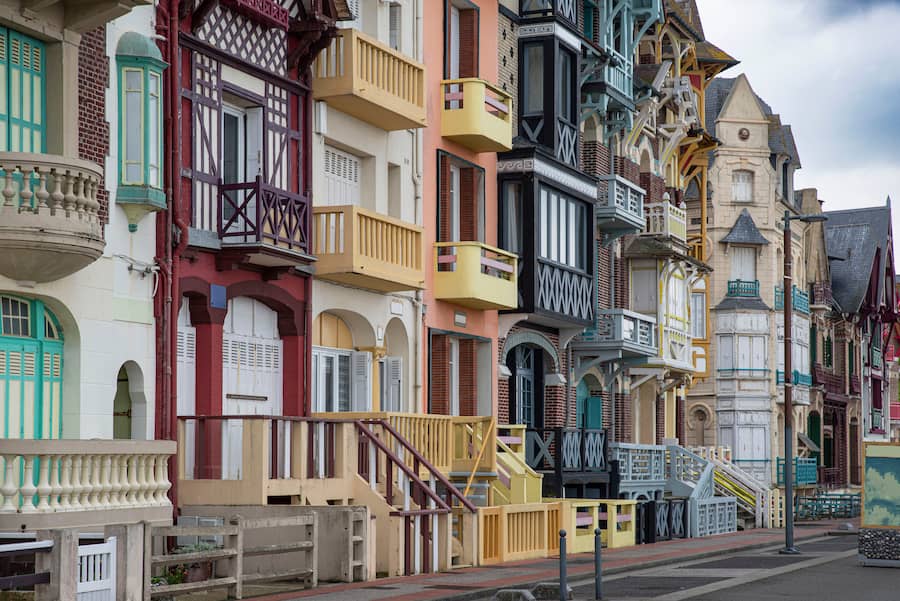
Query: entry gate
[[97, 572]]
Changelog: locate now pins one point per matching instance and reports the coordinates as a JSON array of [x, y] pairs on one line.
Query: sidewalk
[[473, 583]]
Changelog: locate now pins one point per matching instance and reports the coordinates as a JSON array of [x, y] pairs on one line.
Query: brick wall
[[624, 421], [655, 187], [660, 418], [603, 264], [468, 204], [508, 63], [93, 130], [628, 169], [444, 198]]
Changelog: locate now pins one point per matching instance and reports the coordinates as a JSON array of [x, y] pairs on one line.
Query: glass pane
[[511, 229], [230, 134], [544, 224], [344, 382], [153, 132], [328, 363], [534, 78], [554, 227], [565, 85], [133, 110], [133, 172]]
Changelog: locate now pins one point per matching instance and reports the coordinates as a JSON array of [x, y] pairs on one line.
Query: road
[[826, 570]]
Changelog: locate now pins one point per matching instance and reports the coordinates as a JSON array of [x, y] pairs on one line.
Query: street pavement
[[471, 584]]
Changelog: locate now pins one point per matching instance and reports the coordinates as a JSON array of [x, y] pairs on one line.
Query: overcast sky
[[829, 67]]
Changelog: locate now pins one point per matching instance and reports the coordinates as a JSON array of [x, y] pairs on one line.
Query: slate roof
[[707, 52], [852, 238], [781, 137], [730, 303], [686, 11], [744, 231]]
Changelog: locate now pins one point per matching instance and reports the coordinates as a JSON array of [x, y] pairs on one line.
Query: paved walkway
[[478, 583]]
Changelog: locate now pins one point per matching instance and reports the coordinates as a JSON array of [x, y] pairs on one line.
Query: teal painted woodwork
[[22, 93]]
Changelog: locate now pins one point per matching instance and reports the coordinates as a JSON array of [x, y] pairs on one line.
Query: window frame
[[38, 79], [736, 185], [558, 244], [149, 69]]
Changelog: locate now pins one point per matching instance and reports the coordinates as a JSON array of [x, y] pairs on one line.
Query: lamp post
[[787, 304]]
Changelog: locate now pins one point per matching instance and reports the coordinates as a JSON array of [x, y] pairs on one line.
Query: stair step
[[509, 440], [465, 475]]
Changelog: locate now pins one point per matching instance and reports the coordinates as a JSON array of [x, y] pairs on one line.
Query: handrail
[[515, 458], [484, 441], [494, 249], [488, 85], [443, 507], [452, 490]]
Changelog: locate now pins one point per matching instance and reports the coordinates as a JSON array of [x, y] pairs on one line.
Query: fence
[[514, 532], [713, 515], [16, 581], [97, 572], [160, 579]]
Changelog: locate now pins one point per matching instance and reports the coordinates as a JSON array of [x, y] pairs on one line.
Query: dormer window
[[742, 186]]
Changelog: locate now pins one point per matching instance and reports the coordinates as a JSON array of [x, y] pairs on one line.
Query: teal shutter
[[4, 89], [25, 93]]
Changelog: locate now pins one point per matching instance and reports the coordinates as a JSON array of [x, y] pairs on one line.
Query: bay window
[[563, 226], [140, 68]]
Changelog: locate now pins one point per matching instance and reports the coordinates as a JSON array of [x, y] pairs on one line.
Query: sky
[[829, 68]]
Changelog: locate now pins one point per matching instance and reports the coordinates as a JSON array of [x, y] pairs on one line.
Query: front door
[[525, 385]]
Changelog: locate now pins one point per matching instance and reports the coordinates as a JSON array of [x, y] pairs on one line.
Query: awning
[[807, 442]]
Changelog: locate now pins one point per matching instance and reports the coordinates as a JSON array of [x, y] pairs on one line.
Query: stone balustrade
[[61, 482], [50, 223]]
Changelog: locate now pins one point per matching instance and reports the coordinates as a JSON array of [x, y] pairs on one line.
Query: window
[[395, 15], [563, 223], [742, 186], [743, 263], [460, 200], [644, 291], [742, 353], [826, 351], [533, 101], [461, 31], [342, 174], [22, 97], [566, 77], [31, 359], [511, 233], [590, 18], [341, 380], [851, 358], [698, 315]]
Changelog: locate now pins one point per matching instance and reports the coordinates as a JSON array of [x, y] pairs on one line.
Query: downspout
[[418, 157]]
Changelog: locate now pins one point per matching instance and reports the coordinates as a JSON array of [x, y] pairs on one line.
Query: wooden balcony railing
[[84, 483], [797, 378], [476, 114], [363, 248], [743, 289], [665, 219], [799, 300], [821, 294], [566, 449], [805, 470], [621, 206], [254, 215], [365, 78], [548, 8], [620, 329]]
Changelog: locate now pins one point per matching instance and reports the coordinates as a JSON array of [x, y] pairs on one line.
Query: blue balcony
[[628, 333], [620, 207], [743, 289], [805, 471], [799, 300], [797, 378]]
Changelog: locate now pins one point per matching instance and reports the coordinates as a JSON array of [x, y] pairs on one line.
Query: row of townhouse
[[450, 260]]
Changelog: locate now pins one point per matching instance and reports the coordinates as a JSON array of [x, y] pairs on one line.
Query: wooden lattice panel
[[246, 39]]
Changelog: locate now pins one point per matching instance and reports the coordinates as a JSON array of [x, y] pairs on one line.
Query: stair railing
[[478, 457]]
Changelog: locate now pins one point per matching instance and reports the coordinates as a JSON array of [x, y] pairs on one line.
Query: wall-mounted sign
[[265, 11]]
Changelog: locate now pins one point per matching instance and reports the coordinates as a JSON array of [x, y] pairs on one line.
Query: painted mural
[[881, 486]]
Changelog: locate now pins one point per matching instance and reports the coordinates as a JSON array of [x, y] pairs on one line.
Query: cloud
[[827, 67]]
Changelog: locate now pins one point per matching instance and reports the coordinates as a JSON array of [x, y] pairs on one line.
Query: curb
[[485, 592]]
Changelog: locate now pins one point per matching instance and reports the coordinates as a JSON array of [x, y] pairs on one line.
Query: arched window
[[31, 358]]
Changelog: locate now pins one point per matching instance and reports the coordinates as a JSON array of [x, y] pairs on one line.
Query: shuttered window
[[742, 186], [743, 263], [342, 380], [698, 315], [342, 176], [460, 206], [392, 384], [22, 92], [395, 16]]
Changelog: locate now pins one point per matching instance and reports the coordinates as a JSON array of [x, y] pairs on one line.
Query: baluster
[[55, 487], [162, 479], [42, 193], [69, 198], [123, 481], [9, 488], [91, 195], [28, 488], [77, 487], [25, 193], [150, 480], [56, 196], [66, 487], [105, 484], [43, 488], [80, 199], [141, 492], [94, 481], [115, 486], [9, 190], [133, 487], [84, 497]]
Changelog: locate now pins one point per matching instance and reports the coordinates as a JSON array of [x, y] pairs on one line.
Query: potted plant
[[201, 570]]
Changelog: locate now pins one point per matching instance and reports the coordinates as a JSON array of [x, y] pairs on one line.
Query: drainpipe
[[418, 212]]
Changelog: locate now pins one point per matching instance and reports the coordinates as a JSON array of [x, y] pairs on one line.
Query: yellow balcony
[[476, 114], [362, 77], [365, 249], [475, 275]]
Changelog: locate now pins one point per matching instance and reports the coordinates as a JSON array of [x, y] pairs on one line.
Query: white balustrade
[[51, 476]]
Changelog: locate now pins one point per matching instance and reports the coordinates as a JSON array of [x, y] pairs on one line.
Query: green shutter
[[813, 344], [4, 89], [24, 93]]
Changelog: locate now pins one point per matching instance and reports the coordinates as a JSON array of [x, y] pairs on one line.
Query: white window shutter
[[394, 383], [356, 23], [361, 381], [342, 171], [396, 11]]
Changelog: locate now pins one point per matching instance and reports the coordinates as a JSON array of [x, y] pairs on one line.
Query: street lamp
[[787, 294]]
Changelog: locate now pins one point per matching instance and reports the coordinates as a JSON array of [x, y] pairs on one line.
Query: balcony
[[877, 421], [364, 249], [876, 358], [475, 275], [84, 483], [267, 226], [799, 300], [49, 222], [743, 289], [565, 9], [805, 471], [617, 75], [821, 295], [665, 219], [797, 378], [476, 114], [364, 78], [620, 209], [628, 333], [895, 412], [854, 385]]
